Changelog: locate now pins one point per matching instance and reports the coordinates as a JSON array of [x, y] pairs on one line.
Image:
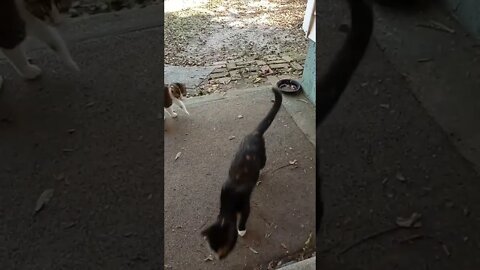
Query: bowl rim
[[291, 82]]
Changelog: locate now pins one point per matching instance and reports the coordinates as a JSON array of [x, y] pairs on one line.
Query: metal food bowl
[[289, 86]]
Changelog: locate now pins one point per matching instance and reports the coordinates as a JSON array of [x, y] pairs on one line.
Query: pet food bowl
[[289, 86]]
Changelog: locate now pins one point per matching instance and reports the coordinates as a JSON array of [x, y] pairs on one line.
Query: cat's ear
[[183, 88]]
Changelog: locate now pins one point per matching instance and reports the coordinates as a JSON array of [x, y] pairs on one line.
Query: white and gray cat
[[20, 19], [174, 93]]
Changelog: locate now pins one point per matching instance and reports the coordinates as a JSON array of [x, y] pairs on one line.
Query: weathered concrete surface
[[95, 138], [282, 205], [443, 71], [466, 12], [308, 264], [81, 29], [380, 132], [190, 76]]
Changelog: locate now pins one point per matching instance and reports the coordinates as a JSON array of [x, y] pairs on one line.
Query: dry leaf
[[293, 162], [309, 239], [240, 116], [178, 155], [253, 250], [412, 221], [209, 258], [400, 177], [44, 198], [231, 137], [59, 177]]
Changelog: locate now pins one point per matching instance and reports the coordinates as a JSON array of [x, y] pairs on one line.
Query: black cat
[[244, 171], [333, 83]]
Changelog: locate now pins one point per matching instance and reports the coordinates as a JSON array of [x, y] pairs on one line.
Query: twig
[[411, 238], [281, 167], [437, 26], [369, 237]]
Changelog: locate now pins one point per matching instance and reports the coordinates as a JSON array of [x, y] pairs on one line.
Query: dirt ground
[[207, 33], [221, 30]]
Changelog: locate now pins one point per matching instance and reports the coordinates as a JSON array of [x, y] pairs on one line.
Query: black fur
[[243, 175], [12, 26], [332, 85], [404, 4]]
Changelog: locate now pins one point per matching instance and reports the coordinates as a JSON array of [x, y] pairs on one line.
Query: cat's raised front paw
[[31, 72]]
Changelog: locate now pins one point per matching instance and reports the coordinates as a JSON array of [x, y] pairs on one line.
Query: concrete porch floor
[[282, 216]]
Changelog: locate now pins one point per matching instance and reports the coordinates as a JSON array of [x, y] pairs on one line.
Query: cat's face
[[221, 237], [178, 90], [48, 10]]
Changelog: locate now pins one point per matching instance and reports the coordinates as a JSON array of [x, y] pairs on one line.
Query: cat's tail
[[265, 124], [333, 83]]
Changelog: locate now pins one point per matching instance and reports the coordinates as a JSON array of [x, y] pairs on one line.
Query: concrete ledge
[[467, 13], [308, 264]]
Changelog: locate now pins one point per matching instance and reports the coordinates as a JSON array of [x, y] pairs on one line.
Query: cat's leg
[[171, 112], [20, 63], [242, 224], [181, 105], [53, 39]]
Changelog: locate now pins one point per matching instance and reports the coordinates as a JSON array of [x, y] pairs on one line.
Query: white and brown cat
[[174, 93], [20, 19]]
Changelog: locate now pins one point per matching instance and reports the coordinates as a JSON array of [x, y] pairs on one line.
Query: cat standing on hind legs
[[243, 175], [22, 18]]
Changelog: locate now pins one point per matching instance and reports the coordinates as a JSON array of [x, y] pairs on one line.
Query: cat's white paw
[[174, 114], [31, 72], [242, 233]]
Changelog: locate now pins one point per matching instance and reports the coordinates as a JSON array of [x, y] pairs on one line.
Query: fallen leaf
[[293, 162], [240, 116], [412, 221], [400, 177], [253, 250], [209, 258], [309, 239], [44, 198], [231, 137], [59, 177], [178, 155]]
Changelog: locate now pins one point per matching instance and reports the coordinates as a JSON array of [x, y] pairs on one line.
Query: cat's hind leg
[[181, 105], [53, 39], [20, 63]]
